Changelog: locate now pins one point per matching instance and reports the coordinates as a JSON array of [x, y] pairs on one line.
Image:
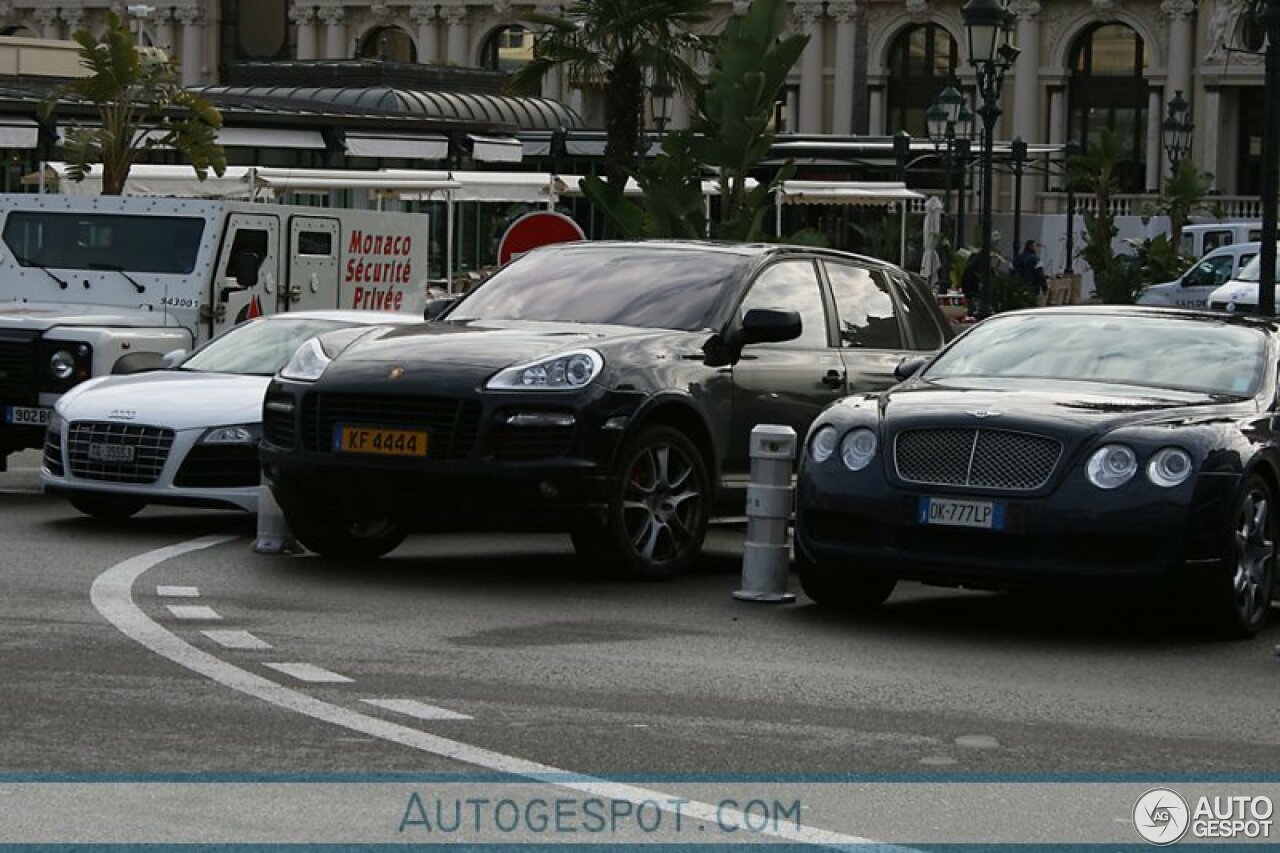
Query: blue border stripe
[[642, 778]]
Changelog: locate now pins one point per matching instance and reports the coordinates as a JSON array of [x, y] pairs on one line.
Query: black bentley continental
[[1108, 447], [604, 389]]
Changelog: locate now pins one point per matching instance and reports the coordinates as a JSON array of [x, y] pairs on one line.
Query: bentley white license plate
[[111, 453], [949, 512], [27, 415]]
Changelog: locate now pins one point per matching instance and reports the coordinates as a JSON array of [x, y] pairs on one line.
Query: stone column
[[1057, 117], [166, 31], [304, 19], [455, 18], [424, 17], [808, 14], [192, 20], [844, 12], [1181, 45], [335, 32], [74, 19], [1026, 87], [875, 111], [50, 25], [1211, 117], [1155, 148]]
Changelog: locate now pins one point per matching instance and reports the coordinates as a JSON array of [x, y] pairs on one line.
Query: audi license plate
[[27, 415], [388, 442], [115, 453], [948, 512]]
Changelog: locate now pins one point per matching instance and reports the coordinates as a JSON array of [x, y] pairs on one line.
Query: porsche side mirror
[[770, 325], [909, 367], [436, 307]]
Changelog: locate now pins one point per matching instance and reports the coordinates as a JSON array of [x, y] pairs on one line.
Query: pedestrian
[[1029, 269], [971, 279]]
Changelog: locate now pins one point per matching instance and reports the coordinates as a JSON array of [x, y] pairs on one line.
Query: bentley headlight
[[823, 444], [308, 363], [1169, 467], [1111, 466], [241, 434], [62, 365], [858, 449], [567, 372]]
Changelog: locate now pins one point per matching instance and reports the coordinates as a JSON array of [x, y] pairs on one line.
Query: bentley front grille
[[980, 458]]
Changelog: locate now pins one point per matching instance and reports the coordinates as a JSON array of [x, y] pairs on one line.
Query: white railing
[[1146, 204]]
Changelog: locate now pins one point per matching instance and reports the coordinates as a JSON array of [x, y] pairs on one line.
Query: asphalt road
[[537, 658]]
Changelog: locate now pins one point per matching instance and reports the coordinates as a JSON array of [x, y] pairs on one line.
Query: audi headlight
[[241, 434], [56, 423], [308, 363], [858, 449], [1111, 466], [1169, 467], [567, 372], [62, 364], [823, 444]]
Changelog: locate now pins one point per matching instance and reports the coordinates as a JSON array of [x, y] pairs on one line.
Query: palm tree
[[141, 105], [616, 44]]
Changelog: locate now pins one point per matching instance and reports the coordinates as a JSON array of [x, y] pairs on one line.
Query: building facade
[[872, 67]]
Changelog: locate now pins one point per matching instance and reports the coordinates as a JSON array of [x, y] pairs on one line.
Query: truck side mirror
[[246, 267]]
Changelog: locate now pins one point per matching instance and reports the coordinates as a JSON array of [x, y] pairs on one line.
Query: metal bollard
[[767, 556], [274, 535]]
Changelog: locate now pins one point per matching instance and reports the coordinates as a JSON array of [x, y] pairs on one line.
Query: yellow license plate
[[388, 442]]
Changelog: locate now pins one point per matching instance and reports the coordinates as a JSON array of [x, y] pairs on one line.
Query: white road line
[[23, 492], [178, 591], [309, 672], [194, 612], [112, 596], [414, 708], [241, 640]]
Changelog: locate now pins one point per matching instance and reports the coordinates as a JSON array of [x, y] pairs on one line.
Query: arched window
[[922, 61], [507, 48], [389, 44], [1108, 90]]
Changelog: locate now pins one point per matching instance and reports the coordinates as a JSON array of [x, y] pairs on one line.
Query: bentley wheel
[[851, 587], [1242, 594], [107, 508], [657, 515]]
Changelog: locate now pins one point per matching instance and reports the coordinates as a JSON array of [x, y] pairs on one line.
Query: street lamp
[[1071, 150], [1177, 130], [1018, 153], [660, 95], [950, 121], [989, 25]]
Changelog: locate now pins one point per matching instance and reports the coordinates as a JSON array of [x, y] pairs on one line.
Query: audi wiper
[[117, 268], [27, 262]]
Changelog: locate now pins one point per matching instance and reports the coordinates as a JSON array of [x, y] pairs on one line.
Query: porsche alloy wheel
[[332, 535], [1243, 599], [657, 516]]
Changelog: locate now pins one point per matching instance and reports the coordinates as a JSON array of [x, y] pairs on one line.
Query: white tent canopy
[[151, 180], [887, 193]]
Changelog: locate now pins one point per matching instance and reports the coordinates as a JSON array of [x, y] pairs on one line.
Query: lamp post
[[989, 26], [949, 121], [1176, 131], [1018, 152], [139, 13], [1072, 149], [660, 95]]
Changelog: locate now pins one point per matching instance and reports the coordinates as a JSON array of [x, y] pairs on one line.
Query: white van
[[1201, 239], [1241, 293], [1192, 288]]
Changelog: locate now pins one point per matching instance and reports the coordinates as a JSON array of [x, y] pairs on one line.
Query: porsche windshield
[[1150, 352], [259, 347], [112, 241], [660, 287]]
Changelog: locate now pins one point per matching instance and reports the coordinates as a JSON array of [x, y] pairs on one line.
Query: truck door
[[255, 234], [313, 264]]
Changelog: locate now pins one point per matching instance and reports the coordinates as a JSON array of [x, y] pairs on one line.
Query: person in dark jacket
[[1030, 270]]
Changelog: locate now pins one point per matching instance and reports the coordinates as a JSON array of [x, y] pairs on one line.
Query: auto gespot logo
[[1163, 817]]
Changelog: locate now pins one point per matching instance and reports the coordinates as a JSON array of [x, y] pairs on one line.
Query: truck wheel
[[657, 514], [105, 508]]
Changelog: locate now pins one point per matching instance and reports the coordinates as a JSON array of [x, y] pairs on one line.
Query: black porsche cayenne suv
[[608, 389]]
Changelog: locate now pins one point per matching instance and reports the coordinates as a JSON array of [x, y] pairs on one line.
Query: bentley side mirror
[[436, 307], [770, 325], [909, 367]]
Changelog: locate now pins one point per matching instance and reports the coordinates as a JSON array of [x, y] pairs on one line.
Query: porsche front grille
[[980, 458]]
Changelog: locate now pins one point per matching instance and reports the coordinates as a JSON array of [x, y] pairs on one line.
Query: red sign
[[541, 228]]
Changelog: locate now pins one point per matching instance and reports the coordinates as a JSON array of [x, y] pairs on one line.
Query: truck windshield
[[144, 244]]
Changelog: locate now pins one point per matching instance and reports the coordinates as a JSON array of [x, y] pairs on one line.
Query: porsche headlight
[[858, 449], [241, 434], [308, 363], [823, 444], [567, 372], [1169, 467], [1111, 466]]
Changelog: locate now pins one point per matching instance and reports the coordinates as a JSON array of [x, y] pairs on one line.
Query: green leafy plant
[[1100, 170], [1184, 194], [614, 44], [141, 105]]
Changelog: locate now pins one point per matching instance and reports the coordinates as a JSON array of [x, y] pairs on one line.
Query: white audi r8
[[187, 435]]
